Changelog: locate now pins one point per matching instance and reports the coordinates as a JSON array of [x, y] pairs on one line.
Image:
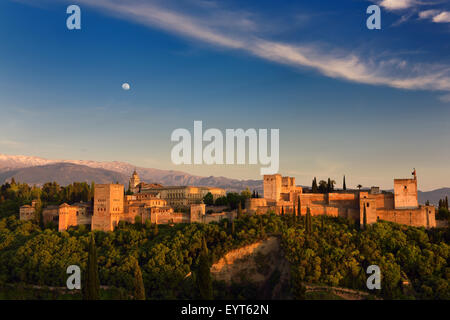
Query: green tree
[[344, 186], [92, 284], [208, 199], [323, 186], [314, 188], [138, 220], [246, 194], [308, 221], [203, 276], [294, 213], [364, 217], [239, 210], [155, 230], [331, 184], [359, 186], [139, 289]]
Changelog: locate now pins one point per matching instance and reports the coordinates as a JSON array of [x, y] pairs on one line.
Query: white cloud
[[442, 17], [436, 16], [241, 33], [397, 4], [428, 14]]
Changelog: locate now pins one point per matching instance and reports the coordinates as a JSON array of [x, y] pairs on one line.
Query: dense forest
[[336, 252], [332, 252], [414, 262]]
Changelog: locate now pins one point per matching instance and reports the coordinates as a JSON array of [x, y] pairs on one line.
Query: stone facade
[[156, 203], [74, 215], [50, 214], [280, 193], [28, 212], [108, 206]]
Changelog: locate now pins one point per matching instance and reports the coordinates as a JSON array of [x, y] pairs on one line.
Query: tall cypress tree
[[139, 289], [308, 221], [364, 216], [203, 276], [344, 186], [314, 188], [294, 213], [299, 209], [239, 212], [92, 284], [310, 226], [232, 227], [282, 211]]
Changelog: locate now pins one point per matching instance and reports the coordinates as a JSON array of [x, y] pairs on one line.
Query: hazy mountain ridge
[[35, 170], [10, 165], [63, 174], [433, 196]]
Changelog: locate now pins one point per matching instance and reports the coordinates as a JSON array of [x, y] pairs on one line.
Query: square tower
[[405, 194], [108, 206], [272, 187]]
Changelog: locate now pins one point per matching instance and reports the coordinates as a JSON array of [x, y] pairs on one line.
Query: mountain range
[[35, 170]]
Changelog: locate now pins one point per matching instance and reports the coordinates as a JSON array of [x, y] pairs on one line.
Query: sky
[[368, 104]]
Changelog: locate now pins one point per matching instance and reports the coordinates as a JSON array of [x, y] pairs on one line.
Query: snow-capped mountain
[[10, 165]]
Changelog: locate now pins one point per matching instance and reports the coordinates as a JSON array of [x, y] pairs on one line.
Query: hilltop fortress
[[183, 204], [402, 206]]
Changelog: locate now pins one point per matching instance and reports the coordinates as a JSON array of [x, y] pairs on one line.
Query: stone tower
[[405, 193], [134, 182], [108, 206]]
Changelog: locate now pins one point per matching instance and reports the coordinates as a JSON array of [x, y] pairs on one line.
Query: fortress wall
[[49, 214], [307, 199], [318, 210], [385, 201], [349, 200], [421, 217], [84, 219], [178, 217], [103, 223], [67, 217], [252, 204], [371, 210], [352, 214]]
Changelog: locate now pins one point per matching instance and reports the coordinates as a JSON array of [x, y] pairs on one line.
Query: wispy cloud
[[234, 29], [415, 8], [445, 98], [398, 4], [10, 143]]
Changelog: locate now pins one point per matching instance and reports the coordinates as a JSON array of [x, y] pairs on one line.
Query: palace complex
[[183, 204], [402, 206]]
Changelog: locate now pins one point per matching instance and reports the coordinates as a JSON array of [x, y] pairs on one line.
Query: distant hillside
[[9, 164], [63, 174], [20, 168], [433, 196]]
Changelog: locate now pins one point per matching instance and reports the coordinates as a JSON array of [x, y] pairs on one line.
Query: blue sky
[[370, 104]]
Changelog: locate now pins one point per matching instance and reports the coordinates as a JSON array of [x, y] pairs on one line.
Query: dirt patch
[[260, 263]]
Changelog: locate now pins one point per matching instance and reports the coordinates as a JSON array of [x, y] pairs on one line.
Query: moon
[[126, 86]]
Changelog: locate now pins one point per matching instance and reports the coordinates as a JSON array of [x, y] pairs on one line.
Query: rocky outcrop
[[260, 263]]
